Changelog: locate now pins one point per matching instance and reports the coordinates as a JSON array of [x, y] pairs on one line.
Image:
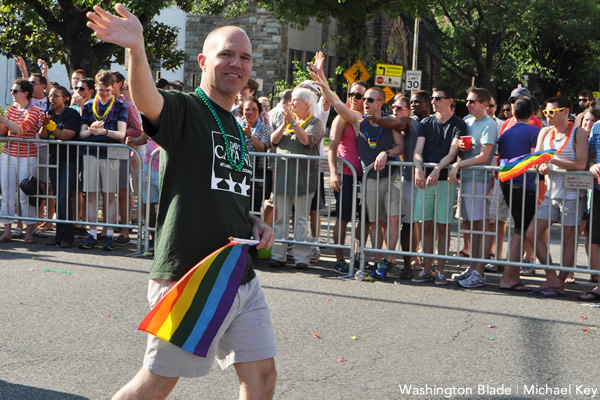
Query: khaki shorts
[[246, 335], [498, 208], [382, 197], [572, 210], [100, 170]]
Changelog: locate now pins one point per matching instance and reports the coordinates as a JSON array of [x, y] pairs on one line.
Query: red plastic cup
[[467, 142]]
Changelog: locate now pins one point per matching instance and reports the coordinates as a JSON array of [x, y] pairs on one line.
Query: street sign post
[[413, 80], [389, 75], [357, 72], [386, 80]]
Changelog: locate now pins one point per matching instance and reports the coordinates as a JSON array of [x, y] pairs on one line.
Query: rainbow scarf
[[514, 167], [193, 310]]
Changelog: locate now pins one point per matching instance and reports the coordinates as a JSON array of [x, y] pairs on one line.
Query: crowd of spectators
[[402, 204]]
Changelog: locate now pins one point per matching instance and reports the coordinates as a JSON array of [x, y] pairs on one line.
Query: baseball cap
[[311, 85], [520, 93]]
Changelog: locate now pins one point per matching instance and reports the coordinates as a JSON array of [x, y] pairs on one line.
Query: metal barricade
[[286, 198], [64, 171], [452, 232], [148, 189]]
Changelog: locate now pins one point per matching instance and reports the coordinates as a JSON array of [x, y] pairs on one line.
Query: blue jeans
[[63, 188]]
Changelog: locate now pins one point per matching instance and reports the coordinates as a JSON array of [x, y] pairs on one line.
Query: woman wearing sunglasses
[[18, 159], [401, 107], [561, 204]]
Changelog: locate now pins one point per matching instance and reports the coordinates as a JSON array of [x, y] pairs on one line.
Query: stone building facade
[[276, 45]]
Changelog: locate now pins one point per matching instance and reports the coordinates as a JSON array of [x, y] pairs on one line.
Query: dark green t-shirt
[[203, 200]]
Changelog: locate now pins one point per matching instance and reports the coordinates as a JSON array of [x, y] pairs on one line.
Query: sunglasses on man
[[551, 112], [439, 98], [357, 96], [398, 107]]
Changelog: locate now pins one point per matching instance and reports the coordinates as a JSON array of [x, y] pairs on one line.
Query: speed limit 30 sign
[[412, 80]]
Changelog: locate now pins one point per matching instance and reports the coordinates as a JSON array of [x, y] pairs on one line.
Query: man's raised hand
[[125, 31]]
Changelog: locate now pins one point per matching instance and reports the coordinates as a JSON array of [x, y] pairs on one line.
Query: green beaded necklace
[[230, 159]]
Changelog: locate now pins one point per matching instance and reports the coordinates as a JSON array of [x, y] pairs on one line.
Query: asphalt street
[[71, 333]]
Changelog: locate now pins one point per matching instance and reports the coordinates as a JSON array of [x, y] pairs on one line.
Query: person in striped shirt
[[18, 159]]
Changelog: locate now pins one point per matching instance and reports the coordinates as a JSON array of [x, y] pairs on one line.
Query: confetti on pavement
[[341, 359], [317, 335], [58, 271]]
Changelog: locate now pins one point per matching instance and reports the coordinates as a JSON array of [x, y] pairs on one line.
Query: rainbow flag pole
[[514, 167], [193, 310]]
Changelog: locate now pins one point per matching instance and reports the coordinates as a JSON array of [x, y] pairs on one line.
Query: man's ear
[[201, 61]]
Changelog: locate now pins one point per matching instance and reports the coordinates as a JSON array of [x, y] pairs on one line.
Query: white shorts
[[246, 335], [473, 204]]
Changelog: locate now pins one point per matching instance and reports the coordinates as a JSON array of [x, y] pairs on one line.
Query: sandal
[[37, 232], [5, 239], [570, 278], [589, 296], [29, 240]]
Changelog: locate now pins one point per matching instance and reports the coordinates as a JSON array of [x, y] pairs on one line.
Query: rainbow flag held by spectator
[[194, 308], [514, 167]]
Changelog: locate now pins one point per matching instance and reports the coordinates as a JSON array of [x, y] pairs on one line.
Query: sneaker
[[492, 268], [276, 264], [109, 245], [342, 266], [101, 237], [527, 271], [474, 280], [422, 277], [315, 257], [89, 243], [440, 279], [370, 267], [464, 275]]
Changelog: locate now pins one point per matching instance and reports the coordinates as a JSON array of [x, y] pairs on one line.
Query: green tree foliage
[[550, 44], [56, 31], [353, 16]]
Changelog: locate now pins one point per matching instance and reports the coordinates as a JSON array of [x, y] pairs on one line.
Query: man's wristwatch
[[387, 152], [105, 132]]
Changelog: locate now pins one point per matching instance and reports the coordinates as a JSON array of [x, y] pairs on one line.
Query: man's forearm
[[141, 84]]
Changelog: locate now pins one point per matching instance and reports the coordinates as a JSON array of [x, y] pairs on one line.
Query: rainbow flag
[[192, 311], [514, 167]]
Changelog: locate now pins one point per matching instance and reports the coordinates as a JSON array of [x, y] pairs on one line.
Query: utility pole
[[415, 45]]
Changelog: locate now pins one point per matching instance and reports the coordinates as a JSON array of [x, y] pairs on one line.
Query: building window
[[294, 55]]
